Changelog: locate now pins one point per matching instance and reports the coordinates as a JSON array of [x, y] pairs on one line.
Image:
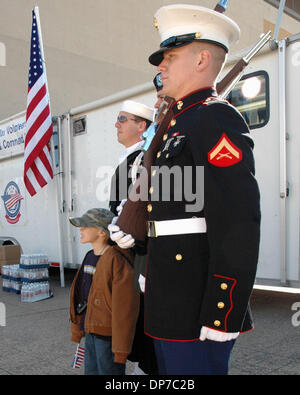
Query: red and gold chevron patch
[[225, 153]]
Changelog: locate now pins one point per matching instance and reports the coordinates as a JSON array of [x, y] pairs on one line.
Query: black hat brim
[[157, 57]]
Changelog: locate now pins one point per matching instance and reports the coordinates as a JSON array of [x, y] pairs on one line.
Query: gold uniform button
[[149, 208], [158, 154], [167, 155], [153, 173], [217, 323], [173, 122], [178, 257], [224, 286], [180, 105], [151, 190], [165, 137], [221, 305]]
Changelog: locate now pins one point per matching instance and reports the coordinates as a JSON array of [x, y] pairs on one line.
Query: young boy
[[104, 305]]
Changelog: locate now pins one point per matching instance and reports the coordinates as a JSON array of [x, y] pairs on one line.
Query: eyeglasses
[[123, 118]]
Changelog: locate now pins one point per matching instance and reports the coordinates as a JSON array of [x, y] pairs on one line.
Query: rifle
[[235, 74], [134, 216]]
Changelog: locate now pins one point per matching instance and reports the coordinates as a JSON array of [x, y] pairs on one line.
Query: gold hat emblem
[[197, 35], [155, 23]]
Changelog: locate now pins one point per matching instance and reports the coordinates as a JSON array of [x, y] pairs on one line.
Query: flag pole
[[39, 29]]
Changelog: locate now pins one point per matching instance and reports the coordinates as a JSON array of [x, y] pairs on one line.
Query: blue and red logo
[[12, 202]]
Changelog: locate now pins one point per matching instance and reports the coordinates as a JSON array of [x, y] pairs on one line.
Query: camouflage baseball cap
[[94, 218]]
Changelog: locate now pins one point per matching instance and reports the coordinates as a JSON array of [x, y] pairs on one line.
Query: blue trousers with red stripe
[[193, 358]]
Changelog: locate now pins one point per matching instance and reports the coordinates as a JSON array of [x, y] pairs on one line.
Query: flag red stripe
[[37, 149], [46, 163], [40, 179], [37, 124], [29, 186], [35, 101]]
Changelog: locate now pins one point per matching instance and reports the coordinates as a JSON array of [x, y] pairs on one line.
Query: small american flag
[[38, 168], [79, 357]]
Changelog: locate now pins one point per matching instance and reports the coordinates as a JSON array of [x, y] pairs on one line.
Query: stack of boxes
[[9, 255], [9, 268]]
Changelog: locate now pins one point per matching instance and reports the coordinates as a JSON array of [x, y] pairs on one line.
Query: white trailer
[[85, 152], [267, 97]]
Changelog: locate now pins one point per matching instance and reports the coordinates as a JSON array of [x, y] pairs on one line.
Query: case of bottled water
[[34, 261], [11, 279], [30, 278], [34, 277], [32, 292]]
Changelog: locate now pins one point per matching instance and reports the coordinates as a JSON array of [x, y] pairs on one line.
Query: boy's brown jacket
[[113, 303]]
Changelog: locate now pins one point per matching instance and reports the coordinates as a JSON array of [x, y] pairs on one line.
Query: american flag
[[79, 357], [38, 168], [12, 200]]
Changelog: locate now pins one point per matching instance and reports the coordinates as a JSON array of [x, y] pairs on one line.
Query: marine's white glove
[[142, 281], [114, 220], [117, 235], [217, 336], [119, 210], [126, 242], [114, 231], [120, 206]]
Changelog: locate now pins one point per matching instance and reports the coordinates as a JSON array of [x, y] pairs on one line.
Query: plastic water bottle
[[24, 293]]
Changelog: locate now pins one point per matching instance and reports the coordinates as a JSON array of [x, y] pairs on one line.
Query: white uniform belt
[[176, 227]]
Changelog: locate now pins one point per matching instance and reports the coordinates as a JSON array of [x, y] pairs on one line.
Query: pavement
[[36, 339]]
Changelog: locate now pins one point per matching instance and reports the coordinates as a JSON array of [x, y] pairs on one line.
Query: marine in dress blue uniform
[[202, 263]]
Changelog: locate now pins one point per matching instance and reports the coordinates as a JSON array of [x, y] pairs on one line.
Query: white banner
[[12, 137]]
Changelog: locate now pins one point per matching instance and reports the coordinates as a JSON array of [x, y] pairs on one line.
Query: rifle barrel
[[235, 74], [253, 51]]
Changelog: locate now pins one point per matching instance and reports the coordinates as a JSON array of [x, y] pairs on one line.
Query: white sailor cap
[[180, 24], [138, 109]]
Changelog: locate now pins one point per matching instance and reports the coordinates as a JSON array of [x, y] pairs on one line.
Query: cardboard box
[[10, 252], [9, 255]]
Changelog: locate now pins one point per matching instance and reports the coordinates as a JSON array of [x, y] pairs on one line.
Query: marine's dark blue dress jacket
[[203, 279]]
